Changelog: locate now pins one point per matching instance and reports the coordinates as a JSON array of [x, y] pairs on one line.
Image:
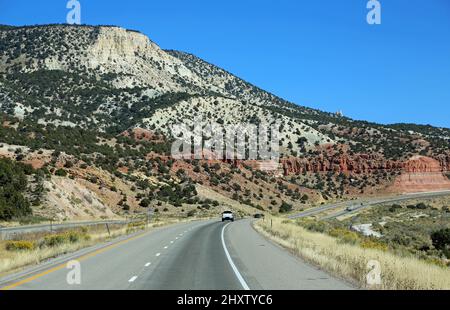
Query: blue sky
[[317, 53]]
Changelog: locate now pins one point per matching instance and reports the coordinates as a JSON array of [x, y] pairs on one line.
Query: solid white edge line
[[132, 279], [233, 266]]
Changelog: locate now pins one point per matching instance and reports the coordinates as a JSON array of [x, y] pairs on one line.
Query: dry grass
[[13, 260], [350, 261]]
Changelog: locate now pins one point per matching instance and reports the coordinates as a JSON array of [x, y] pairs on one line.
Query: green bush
[[285, 207], [345, 235], [61, 173], [20, 246], [441, 240], [63, 238], [191, 213], [374, 244]]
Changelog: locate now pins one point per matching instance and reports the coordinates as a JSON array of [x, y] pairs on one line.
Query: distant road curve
[[365, 203], [10, 232]]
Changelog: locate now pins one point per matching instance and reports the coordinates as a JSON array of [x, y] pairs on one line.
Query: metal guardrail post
[[107, 227]]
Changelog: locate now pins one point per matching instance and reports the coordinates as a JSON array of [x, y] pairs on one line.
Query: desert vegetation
[[13, 185], [346, 254]]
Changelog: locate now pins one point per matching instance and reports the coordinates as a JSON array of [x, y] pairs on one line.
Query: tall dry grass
[[350, 261]]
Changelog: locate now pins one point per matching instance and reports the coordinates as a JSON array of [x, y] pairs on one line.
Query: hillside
[[92, 107]]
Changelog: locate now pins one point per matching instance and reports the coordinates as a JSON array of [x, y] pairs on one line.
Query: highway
[[206, 255], [360, 204]]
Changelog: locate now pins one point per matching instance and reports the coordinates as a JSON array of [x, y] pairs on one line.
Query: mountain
[[104, 98]]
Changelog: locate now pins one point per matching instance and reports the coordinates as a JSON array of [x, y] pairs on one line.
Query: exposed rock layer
[[364, 163]]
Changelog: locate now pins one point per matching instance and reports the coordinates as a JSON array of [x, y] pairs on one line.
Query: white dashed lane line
[[132, 279]]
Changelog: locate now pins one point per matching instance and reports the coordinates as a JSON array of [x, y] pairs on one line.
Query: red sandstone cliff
[[363, 163], [358, 164], [422, 174], [418, 174]]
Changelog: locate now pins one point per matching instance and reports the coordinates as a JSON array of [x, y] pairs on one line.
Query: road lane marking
[[64, 265], [166, 247], [132, 279], [233, 266], [148, 264], [171, 242], [158, 254]]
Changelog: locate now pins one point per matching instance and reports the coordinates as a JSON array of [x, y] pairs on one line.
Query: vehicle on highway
[[227, 216], [351, 208]]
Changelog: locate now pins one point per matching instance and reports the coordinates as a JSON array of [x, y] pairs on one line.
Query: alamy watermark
[[214, 141], [74, 275], [74, 15], [374, 15], [374, 276]]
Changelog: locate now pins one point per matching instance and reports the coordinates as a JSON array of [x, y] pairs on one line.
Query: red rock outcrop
[[422, 164], [358, 164], [418, 174], [422, 174], [444, 161], [364, 163], [420, 182]]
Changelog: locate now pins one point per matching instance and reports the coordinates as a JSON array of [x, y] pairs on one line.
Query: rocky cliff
[[358, 164], [363, 164]]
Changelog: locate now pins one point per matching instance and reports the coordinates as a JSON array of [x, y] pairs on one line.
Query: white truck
[[227, 216]]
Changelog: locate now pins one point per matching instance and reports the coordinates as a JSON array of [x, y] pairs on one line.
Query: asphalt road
[[364, 203], [192, 256]]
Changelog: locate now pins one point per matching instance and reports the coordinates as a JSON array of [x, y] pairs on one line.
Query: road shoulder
[[268, 266]]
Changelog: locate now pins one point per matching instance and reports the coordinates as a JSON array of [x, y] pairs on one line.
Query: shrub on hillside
[[441, 240], [285, 207], [13, 184], [345, 235], [374, 244], [61, 173]]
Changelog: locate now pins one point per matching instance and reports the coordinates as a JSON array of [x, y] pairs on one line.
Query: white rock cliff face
[[133, 54]]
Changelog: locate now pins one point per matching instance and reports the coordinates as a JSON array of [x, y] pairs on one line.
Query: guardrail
[[7, 233]]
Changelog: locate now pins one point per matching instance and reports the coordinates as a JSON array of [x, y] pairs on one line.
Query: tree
[[441, 239], [145, 203], [61, 173], [285, 207], [13, 184]]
